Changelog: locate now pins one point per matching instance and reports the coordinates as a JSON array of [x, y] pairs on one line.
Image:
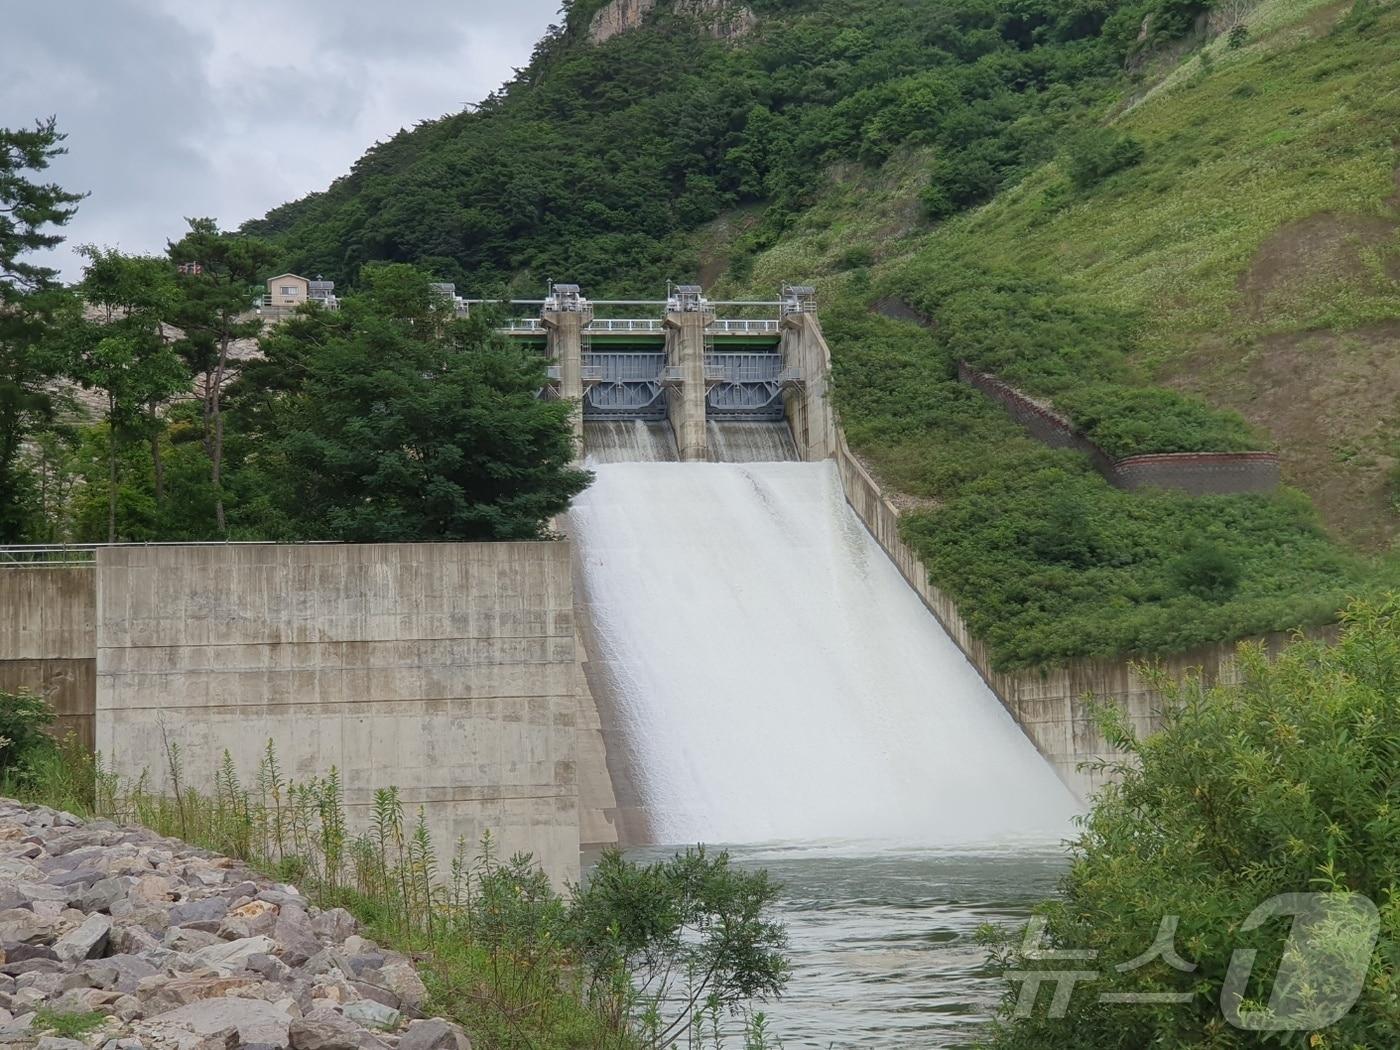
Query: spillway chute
[[776, 679]]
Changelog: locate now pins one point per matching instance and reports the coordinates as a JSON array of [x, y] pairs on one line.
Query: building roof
[[298, 276]]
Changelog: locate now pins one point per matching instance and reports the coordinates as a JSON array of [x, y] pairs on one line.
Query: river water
[[882, 941]]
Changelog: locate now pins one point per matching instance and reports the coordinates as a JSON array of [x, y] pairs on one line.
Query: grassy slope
[[1259, 240], [1201, 242]]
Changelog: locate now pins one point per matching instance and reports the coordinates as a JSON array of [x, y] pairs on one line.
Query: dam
[[726, 639]]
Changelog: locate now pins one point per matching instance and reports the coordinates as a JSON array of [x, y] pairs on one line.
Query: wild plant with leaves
[[1282, 784], [661, 955]]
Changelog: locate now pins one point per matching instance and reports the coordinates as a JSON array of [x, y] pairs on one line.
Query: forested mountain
[[598, 159]]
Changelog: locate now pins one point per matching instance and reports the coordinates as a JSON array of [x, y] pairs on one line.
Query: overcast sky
[[227, 108]]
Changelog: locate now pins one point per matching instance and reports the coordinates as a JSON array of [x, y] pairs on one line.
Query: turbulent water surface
[[883, 940]]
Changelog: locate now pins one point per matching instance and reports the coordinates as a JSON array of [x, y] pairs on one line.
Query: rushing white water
[[628, 441], [750, 442], [778, 679]]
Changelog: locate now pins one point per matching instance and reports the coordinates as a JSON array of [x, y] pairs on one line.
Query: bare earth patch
[[1332, 403], [1322, 247]]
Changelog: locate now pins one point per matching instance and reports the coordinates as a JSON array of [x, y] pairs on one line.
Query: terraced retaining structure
[[1195, 473]]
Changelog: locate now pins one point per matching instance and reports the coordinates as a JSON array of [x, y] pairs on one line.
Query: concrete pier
[[565, 315], [687, 316]]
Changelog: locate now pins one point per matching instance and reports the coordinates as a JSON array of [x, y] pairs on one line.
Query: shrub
[[67, 1026], [1207, 570], [1095, 154], [1131, 421], [24, 740], [691, 932], [855, 257], [1239, 36], [1281, 784], [957, 182]]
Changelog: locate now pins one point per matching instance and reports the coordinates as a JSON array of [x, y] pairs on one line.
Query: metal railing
[[39, 554], [742, 326], [625, 324], [262, 302], [649, 325]]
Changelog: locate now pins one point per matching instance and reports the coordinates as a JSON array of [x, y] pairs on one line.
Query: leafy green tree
[[29, 212], [666, 942], [218, 273], [401, 422], [123, 349], [1282, 784]]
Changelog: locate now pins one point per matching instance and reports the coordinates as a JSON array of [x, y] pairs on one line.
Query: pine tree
[[217, 275], [29, 297]]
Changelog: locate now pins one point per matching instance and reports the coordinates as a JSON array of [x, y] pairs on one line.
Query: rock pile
[[179, 949]]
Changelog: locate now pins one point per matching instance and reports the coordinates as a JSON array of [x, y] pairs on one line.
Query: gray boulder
[[104, 893], [257, 1020], [205, 909], [334, 925], [434, 1034], [402, 979], [121, 972], [325, 1033], [295, 934], [230, 956], [87, 941], [15, 953], [22, 926]]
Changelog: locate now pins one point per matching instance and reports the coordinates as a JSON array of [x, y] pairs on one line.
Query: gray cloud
[[227, 108]]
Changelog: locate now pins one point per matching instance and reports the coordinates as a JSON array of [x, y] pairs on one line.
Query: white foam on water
[[732, 442], [628, 441], [779, 680]]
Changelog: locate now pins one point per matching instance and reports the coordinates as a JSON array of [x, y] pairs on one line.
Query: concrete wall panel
[[48, 641], [446, 670]]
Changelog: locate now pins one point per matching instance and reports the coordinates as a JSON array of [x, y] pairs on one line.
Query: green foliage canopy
[[29, 213], [404, 423], [1282, 784]]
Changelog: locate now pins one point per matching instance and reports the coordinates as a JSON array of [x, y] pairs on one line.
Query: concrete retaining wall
[[1195, 473], [47, 640], [1050, 706], [447, 670]]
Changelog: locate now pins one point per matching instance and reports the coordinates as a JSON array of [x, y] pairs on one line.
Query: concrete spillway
[[628, 441], [773, 677], [734, 442]]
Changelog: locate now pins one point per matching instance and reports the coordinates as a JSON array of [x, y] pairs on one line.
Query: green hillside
[[1175, 220]]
